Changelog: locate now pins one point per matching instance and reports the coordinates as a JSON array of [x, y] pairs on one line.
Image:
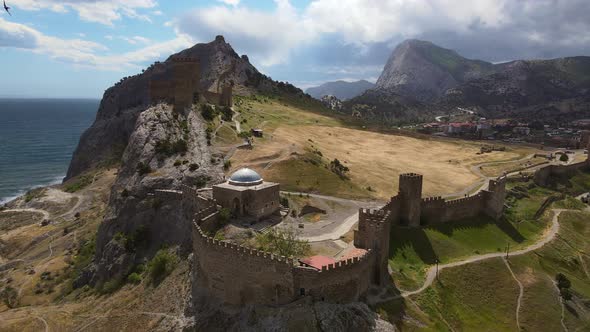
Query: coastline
[[7, 199]]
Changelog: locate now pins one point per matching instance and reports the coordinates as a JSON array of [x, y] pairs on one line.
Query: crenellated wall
[[345, 281], [408, 206], [238, 275], [373, 234], [542, 175]]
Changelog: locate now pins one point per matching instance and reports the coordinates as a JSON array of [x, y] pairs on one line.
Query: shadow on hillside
[[504, 225], [402, 237]]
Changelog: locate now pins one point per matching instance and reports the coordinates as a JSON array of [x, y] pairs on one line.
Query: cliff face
[[424, 71], [122, 103]]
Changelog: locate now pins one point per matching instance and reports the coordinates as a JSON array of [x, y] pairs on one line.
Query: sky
[[78, 48]]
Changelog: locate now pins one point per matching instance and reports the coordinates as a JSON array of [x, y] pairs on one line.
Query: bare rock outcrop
[[121, 105], [166, 149]]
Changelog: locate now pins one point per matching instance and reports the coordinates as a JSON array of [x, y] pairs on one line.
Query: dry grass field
[[375, 159]]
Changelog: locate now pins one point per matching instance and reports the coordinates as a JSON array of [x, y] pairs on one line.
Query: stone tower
[[494, 198], [186, 81], [410, 192], [226, 98], [373, 234]]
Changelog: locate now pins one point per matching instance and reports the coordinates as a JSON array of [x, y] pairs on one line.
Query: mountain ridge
[[340, 89]]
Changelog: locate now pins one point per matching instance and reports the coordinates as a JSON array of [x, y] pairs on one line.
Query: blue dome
[[245, 177]]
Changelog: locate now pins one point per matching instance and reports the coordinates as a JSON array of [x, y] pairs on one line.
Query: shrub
[[562, 281], [207, 112], [563, 157], [162, 265], [79, 183], [193, 167], [338, 168], [227, 165], [224, 215], [284, 201], [124, 193], [226, 113], [134, 278], [143, 169], [177, 163], [111, 286]]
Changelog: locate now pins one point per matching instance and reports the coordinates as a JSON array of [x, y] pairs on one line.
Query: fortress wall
[[374, 231], [542, 175], [463, 208], [160, 90], [193, 202], [238, 275], [433, 209], [342, 282], [212, 97]]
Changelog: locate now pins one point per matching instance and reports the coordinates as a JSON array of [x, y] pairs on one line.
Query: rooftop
[[318, 261], [245, 177]]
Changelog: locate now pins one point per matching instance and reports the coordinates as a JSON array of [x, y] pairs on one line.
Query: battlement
[[464, 200], [235, 249], [411, 176], [432, 199], [347, 262]]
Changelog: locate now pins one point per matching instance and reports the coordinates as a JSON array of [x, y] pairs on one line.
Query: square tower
[[410, 192]]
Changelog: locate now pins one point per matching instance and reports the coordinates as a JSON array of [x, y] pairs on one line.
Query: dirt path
[[520, 293], [560, 299], [431, 273], [43, 212]]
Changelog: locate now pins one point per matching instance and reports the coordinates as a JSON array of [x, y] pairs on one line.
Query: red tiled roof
[[355, 252], [318, 261]]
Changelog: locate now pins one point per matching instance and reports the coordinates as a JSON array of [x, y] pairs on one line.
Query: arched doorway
[[236, 206]]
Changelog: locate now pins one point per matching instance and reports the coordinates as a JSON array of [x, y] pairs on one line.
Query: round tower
[[410, 192]]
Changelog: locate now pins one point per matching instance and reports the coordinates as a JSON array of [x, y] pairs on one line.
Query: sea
[[37, 139]]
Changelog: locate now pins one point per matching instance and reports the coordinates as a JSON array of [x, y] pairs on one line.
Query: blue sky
[[78, 48]]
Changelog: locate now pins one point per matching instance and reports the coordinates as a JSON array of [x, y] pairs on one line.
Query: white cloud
[[103, 12], [86, 53], [267, 36], [230, 2]]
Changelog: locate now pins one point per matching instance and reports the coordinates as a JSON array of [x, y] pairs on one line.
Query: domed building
[[245, 193]]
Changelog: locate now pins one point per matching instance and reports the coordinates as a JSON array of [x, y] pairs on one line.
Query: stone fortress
[[180, 86], [238, 275]]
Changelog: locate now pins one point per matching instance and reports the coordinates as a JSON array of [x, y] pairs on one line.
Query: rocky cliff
[[121, 105]]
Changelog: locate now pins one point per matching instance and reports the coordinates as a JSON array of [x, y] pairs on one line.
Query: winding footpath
[[520, 293], [431, 273]]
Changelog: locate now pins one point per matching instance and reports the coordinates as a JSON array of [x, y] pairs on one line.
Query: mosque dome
[[245, 177]]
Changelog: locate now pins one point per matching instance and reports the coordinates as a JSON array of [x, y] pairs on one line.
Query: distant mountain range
[[340, 89], [421, 79]]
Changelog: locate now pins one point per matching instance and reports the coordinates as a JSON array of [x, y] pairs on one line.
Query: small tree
[[283, 242], [563, 157]]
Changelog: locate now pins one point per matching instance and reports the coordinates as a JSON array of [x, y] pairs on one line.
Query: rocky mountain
[[424, 71], [121, 105], [340, 89], [441, 79]]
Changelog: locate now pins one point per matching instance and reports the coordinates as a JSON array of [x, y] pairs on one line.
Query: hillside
[[340, 89], [441, 80]]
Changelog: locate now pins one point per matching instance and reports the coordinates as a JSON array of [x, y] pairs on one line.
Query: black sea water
[[37, 138]]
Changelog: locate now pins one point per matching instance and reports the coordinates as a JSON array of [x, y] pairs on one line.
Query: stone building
[[247, 194], [180, 86]]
